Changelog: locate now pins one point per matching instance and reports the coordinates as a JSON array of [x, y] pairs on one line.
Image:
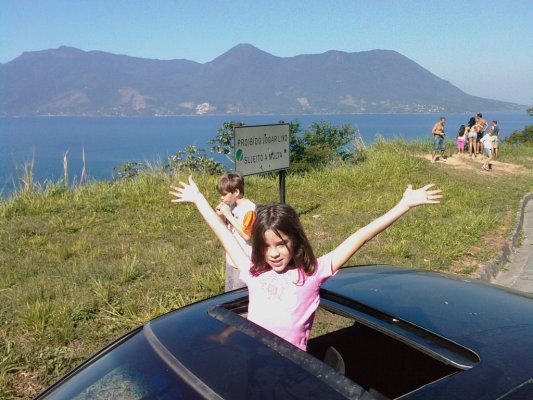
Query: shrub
[[521, 137]]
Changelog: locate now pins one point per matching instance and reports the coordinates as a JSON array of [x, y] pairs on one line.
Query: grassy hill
[[79, 267]]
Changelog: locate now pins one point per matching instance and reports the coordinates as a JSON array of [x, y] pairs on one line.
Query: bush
[[323, 144], [521, 137], [193, 159]]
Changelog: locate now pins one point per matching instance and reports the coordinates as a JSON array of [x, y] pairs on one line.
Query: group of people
[[268, 248], [476, 136]]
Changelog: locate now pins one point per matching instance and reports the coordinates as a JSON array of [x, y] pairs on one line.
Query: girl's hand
[[412, 198], [185, 192]]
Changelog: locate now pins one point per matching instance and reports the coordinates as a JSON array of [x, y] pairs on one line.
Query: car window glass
[[130, 371]]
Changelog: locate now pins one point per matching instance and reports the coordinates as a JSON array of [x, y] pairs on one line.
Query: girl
[[461, 140], [283, 275], [472, 138]]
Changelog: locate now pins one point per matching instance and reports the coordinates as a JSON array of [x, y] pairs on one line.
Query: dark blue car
[[381, 332]]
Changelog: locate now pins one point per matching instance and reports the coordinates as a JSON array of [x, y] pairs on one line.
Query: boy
[[238, 213], [487, 142]]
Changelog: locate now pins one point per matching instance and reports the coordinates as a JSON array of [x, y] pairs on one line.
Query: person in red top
[[283, 275]]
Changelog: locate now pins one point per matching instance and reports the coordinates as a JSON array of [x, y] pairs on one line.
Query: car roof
[[252, 359], [494, 323], [485, 327], [455, 307]]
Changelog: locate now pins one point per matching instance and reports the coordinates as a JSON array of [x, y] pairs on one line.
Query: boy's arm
[[411, 198], [190, 193], [226, 212]]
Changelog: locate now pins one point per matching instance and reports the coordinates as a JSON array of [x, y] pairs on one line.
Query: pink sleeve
[[244, 276], [324, 268]]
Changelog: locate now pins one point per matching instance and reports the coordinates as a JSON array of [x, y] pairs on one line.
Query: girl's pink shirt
[[285, 303]]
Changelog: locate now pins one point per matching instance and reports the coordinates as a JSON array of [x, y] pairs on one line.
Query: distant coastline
[[233, 116], [111, 141]]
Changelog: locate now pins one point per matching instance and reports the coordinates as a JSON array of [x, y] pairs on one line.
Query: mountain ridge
[[243, 80]]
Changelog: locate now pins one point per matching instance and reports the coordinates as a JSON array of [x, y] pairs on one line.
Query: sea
[[108, 142]]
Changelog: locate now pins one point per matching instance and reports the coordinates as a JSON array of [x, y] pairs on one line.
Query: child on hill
[[461, 140], [238, 213], [283, 275], [487, 142]]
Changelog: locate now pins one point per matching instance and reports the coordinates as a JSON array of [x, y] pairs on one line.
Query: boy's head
[[231, 184]]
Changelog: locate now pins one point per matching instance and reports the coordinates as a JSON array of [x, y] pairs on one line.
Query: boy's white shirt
[[238, 212], [242, 207]]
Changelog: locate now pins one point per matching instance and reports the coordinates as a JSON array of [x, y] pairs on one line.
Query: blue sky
[[483, 47]]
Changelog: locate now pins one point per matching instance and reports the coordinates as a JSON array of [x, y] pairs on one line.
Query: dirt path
[[467, 163], [469, 264]]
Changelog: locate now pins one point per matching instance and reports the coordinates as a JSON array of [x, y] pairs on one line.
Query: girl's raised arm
[[411, 198], [190, 193]]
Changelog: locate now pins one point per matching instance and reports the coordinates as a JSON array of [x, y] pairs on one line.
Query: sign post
[[262, 148]]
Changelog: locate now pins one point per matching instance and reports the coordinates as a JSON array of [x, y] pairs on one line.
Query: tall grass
[[516, 154], [80, 266]]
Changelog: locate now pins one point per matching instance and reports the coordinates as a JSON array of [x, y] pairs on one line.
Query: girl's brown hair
[[282, 219]]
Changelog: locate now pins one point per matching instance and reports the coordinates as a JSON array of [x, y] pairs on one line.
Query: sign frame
[[271, 149], [261, 148]]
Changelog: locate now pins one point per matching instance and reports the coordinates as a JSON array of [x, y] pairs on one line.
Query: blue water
[[110, 142]]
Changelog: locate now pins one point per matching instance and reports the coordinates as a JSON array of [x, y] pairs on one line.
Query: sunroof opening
[[385, 356], [383, 365]]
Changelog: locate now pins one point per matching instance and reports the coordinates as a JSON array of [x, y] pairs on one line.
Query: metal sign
[[261, 148]]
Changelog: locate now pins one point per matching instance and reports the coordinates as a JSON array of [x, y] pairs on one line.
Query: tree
[[322, 144], [521, 137], [194, 159], [222, 143]]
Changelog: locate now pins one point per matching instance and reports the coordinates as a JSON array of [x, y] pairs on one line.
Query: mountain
[[244, 80]]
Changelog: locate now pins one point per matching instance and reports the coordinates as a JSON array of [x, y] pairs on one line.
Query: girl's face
[[278, 250]]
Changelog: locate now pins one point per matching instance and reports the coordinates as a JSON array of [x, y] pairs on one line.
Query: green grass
[[79, 267]]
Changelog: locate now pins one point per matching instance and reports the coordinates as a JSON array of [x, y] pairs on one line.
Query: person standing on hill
[[496, 139], [472, 138], [461, 140], [483, 124], [487, 142], [438, 140]]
